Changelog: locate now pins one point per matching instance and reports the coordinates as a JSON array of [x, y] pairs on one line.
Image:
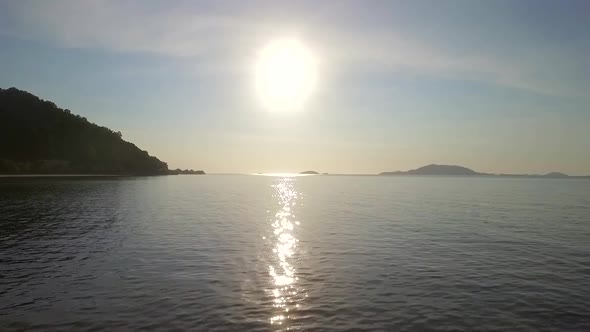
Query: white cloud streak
[[219, 41]]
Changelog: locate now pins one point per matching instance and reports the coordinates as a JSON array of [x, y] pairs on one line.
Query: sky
[[497, 86]]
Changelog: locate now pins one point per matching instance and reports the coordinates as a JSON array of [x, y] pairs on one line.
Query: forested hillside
[[37, 137]]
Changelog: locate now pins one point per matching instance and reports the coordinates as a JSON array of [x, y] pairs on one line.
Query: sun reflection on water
[[284, 289]]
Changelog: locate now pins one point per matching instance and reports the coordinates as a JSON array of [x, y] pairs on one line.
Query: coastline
[[57, 175]]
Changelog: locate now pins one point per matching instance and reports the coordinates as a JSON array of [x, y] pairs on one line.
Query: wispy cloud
[[548, 72], [221, 40], [121, 27]]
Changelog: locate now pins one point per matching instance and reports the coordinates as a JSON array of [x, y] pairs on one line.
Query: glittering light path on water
[[284, 288]]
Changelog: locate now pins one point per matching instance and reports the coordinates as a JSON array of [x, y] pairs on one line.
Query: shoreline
[[57, 175], [490, 176]]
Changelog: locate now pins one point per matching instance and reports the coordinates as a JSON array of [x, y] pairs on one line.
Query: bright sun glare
[[285, 75]]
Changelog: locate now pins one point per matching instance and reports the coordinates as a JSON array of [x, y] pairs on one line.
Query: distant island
[[186, 171], [37, 137], [310, 173], [436, 170], [454, 170]]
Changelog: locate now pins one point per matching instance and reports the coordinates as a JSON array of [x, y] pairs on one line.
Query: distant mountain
[[433, 169], [38, 137], [556, 175], [310, 172], [443, 170]]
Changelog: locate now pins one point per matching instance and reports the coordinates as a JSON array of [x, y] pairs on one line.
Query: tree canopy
[[38, 137]]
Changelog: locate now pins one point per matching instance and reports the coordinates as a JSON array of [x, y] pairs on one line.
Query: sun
[[285, 75]]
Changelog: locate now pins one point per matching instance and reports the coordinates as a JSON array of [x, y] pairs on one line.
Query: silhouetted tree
[[37, 136]]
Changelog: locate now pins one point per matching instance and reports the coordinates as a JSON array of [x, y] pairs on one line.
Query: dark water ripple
[[254, 253]]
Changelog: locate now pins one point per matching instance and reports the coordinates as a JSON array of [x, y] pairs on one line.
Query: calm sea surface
[[315, 253]]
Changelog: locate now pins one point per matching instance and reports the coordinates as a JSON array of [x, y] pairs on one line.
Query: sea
[[294, 253]]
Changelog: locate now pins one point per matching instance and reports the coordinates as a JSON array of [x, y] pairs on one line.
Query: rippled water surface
[[314, 253]]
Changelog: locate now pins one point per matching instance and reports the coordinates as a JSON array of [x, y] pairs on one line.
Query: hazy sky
[[497, 86]]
